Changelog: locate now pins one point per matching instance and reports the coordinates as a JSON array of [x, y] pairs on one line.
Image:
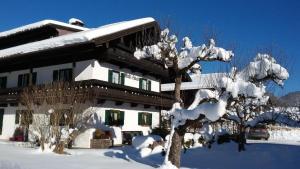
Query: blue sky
[[245, 26]]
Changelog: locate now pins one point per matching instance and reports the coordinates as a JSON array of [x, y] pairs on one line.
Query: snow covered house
[[48, 51]]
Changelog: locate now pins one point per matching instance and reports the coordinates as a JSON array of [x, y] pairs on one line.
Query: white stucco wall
[[8, 126], [84, 70], [130, 122]]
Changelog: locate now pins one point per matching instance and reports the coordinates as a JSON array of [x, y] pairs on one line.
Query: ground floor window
[[114, 117], [145, 119]]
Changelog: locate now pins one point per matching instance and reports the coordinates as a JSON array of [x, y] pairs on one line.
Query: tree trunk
[[175, 150], [241, 138]]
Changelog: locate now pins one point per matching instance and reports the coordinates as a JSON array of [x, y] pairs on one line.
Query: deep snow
[[259, 155]]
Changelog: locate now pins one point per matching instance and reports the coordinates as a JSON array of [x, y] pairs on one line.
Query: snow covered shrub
[[162, 132], [139, 142]]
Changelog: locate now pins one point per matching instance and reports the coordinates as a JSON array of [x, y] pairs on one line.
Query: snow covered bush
[[148, 145], [55, 114]]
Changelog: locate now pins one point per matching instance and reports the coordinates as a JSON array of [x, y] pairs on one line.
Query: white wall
[[8, 126], [84, 70], [130, 122]]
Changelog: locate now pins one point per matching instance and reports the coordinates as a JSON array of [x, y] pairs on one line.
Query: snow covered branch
[[188, 55]]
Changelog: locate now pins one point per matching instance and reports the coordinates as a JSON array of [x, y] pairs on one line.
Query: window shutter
[[1, 119], [107, 114], [149, 85], [34, 78], [122, 78], [17, 119], [150, 119], [20, 80], [140, 116], [55, 75], [110, 74], [122, 117], [4, 82], [141, 83], [70, 75]]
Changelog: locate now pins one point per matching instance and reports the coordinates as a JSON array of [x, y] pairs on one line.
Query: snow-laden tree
[[181, 61], [247, 88], [209, 105]]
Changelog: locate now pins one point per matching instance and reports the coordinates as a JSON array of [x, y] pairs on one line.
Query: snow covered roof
[[199, 81], [72, 39], [39, 25]]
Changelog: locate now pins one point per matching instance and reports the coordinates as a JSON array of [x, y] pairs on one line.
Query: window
[[62, 75], [3, 81], [145, 119], [114, 117], [26, 117], [145, 84], [116, 77], [1, 120], [24, 79]]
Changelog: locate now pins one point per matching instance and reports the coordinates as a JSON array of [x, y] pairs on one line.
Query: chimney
[[77, 22]]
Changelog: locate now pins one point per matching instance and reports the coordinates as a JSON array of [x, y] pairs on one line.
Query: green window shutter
[[17, 119], [122, 78], [55, 75], [140, 116], [141, 83], [1, 119], [149, 85], [34, 78], [110, 74], [150, 119], [3, 82], [122, 117], [20, 80], [70, 75], [107, 117]]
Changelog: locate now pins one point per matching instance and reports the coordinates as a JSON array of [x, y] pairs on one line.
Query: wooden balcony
[[106, 91]]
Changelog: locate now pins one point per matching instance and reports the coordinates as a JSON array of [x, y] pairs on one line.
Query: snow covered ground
[[259, 155]]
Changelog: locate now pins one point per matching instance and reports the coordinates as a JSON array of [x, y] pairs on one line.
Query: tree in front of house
[[179, 63], [55, 114], [248, 95], [209, 105]]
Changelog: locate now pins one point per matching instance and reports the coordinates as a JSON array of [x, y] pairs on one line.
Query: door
[[1, 120]]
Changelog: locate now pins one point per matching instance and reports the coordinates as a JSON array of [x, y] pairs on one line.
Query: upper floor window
[[24, 79], [114, 117], [3, 81], [145, 119], [62, 75], [116, 77], [145, 84]]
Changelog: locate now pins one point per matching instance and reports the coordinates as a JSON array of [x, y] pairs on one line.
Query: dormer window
[[116, 77]]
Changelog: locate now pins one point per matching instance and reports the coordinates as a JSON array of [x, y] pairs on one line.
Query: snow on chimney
[[77, 22]]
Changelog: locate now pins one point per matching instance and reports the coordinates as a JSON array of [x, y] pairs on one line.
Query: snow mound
[[140, 142]]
